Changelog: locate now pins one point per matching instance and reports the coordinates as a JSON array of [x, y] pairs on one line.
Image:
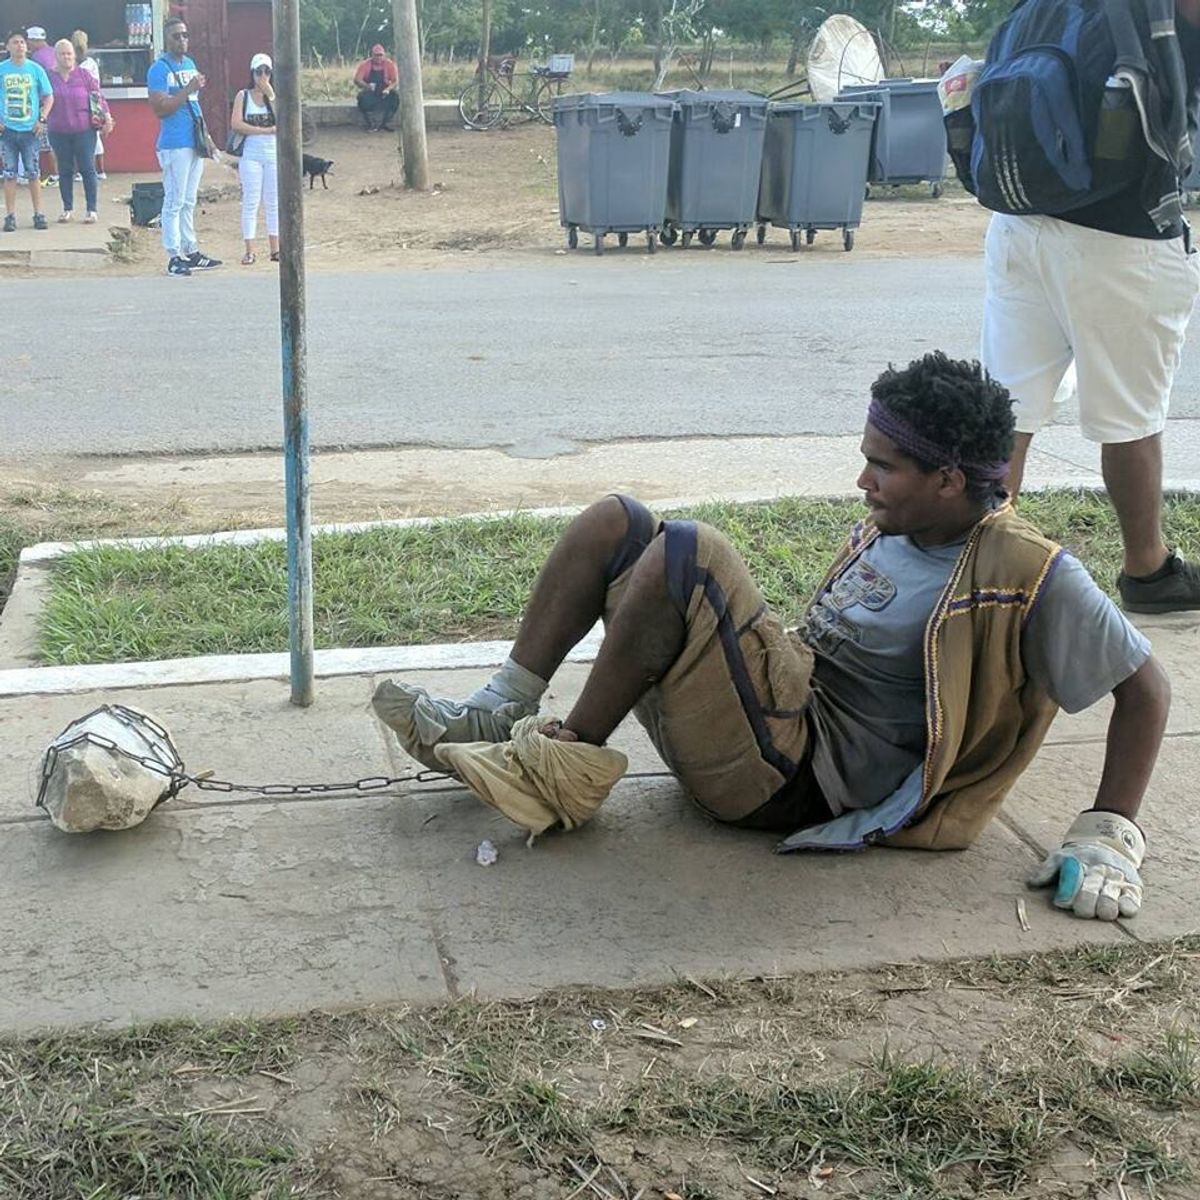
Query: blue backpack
[[1049, 129]]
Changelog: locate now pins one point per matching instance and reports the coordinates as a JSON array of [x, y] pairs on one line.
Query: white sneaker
[[101, 175]]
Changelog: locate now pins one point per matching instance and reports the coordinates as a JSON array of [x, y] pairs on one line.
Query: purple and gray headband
[[925, 449]]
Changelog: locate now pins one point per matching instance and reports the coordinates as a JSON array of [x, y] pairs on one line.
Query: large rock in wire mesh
[[108, 770]]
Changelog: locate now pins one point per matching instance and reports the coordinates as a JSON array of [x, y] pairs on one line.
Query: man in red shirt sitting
[[377, 78]]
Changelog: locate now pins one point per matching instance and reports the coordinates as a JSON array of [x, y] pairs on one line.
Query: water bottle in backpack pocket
[[1053, 128]]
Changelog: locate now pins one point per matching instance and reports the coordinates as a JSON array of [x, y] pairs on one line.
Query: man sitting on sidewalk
[[376, 79], [932, 661]]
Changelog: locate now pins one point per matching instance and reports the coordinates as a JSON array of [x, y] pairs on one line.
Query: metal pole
[[295, 356], [412, 95]]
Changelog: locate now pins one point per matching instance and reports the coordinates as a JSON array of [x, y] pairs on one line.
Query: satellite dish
[[842, 53]]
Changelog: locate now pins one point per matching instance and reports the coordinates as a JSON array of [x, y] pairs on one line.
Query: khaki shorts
[[728, 717], [1118, 307]]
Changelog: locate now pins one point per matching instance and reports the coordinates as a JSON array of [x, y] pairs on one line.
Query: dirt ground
[[1066, 1077], [494, 199]]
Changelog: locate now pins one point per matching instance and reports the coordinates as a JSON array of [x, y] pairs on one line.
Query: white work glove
[[1096, 867]]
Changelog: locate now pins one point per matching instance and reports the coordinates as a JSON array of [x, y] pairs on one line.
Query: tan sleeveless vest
[[985, 720]]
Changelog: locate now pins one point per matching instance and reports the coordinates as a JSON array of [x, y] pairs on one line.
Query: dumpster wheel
[[739, 239], [935, 189], [795, 236], [599, 247], [761, 235], [651, 241], [810, 236], [707, 237], [622, 239], [847, 239], [668, 235], [573, 236], [687, 238]]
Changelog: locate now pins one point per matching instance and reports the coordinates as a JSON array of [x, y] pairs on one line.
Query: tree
[[674, 23]]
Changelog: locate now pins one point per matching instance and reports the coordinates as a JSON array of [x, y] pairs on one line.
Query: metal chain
[[372, 783], [180, 779]]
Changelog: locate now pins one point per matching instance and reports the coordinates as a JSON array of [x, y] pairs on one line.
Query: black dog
[[314, 167]]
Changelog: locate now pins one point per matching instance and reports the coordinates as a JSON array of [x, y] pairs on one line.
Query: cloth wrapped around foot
[[534, 780]]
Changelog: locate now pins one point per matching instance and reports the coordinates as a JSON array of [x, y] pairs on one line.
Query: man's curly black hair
[[956, 404]]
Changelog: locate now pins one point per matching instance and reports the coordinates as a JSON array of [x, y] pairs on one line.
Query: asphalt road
[[534, 359]]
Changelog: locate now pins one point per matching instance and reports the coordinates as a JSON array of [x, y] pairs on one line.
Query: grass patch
[[744, 1077], [453, 580], [108, 1116]]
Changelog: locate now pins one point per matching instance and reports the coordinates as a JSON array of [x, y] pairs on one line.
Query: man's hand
[[194, 84], [1096, 867]]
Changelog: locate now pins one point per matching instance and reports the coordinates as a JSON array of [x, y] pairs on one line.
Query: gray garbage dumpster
[[814, 168], [716, 153], [613, 153], [909, 145]]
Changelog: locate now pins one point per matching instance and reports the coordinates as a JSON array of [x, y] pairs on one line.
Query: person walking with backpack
[[174, 85], [1079, 150]]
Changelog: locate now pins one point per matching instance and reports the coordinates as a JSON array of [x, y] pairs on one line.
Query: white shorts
[[1117, 306]]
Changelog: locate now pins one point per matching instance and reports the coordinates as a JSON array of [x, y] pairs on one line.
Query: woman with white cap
[[253, 117]]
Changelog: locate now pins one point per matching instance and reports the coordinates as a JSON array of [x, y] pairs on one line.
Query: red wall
[[249, 33], [130, 146]]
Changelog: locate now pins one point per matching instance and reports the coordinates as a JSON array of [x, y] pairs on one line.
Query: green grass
[[107, 1116], [450, 581]]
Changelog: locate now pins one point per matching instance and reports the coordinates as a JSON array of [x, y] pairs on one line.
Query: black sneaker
[[39, 221], [179, 266], [10, 223], [1176, 590], [201, 262]]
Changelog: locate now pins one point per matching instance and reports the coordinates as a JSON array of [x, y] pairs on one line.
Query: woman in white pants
[[253, 116]]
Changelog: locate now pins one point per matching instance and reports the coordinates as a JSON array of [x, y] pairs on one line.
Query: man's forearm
[[1135, 732]]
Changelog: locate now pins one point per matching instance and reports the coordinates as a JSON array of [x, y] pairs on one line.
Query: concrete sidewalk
[[219, 906]]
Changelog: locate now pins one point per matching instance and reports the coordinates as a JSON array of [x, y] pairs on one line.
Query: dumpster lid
[[616, 99], [690, 97], [841, 106]]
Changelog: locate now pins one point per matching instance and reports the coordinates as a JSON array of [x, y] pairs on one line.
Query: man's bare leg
[[1016, 464], [568, 594], [567, 600], [1133, 476], [643, 639]]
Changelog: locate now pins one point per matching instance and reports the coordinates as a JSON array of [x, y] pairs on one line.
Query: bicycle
[[488, 104]]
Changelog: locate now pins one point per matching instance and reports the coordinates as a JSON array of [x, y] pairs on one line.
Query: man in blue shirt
[[174, 85], [25, 102]]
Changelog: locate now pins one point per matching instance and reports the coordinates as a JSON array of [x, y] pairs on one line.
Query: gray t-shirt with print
[[867, 632]]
